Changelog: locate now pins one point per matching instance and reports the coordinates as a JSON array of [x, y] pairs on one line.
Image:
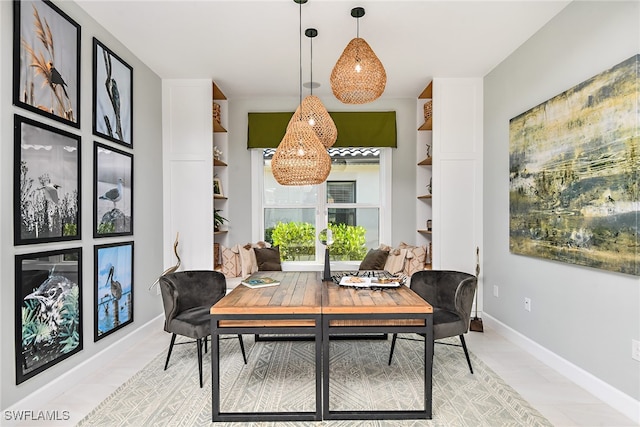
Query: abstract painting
[[112, 96], [112, 192], [113, 289], [46, 183], [48, 313], [573, 180], [46, 61]]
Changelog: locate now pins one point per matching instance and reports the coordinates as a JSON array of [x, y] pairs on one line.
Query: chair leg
[[244, 356], [199, 344], [393, 345], [173, 340], [205, 343], [466, 352]]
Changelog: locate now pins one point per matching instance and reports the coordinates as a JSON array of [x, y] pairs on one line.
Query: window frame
[[384, 218]]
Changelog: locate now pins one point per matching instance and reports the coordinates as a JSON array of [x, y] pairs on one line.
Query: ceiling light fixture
[[313, 112], [358, 76], [300, 158]]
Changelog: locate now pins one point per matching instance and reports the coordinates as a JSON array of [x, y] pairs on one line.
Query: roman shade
[[355, 129]]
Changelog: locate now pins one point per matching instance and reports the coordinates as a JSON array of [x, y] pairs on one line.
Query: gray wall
[[147, 200], [584, 315], [404, 160]]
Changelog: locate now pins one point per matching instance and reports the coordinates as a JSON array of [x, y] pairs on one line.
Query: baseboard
[[613, 397], [86, 368]]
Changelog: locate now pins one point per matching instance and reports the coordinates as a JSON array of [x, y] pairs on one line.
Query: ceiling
[[251, 48]]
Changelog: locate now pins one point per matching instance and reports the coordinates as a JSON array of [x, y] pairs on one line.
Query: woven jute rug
[[279, 376]]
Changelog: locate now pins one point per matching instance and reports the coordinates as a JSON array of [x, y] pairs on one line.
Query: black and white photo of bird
[[51, 192], [114, 194], [56, 78], [116, 287]]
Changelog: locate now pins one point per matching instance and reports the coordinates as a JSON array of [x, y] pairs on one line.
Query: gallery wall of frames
[[48, 190]]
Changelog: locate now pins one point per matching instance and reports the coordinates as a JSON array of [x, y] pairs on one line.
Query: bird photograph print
[[113, 292], [46, 183], [48, 310], [112, 96], [113, 191], [46, 61]]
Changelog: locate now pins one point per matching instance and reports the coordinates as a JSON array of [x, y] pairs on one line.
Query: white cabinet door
[[188, 172], [457, 173]]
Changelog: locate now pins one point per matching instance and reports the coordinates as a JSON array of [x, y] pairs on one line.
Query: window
[[348, 203]]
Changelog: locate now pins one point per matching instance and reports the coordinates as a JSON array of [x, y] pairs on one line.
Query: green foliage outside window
[[297, 241]]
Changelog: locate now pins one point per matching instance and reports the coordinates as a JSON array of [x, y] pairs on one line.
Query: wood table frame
[[304, 305]]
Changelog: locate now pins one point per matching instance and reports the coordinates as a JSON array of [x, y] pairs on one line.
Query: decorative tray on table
[[368, 279]]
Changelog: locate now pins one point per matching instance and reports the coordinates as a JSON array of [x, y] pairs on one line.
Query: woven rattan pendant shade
[[358, 87], [300, 158], [313, 112]]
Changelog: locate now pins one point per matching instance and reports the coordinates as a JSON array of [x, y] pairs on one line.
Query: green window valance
[[355, 129]]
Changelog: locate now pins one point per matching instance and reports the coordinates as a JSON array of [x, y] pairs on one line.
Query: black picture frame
[[112, 96], [113, 288], [112, 191], [47, 185], [46, 61], [48, 310]]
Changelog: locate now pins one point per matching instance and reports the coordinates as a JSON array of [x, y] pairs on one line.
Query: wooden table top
[[305, 293], [297, 293]]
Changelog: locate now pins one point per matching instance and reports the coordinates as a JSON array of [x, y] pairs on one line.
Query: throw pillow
[[268, 258], [395, 261], [248, 262], [374, 260], [416, 258]]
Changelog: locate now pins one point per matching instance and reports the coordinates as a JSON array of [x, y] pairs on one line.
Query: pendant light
[[358, 76], [311, 109], [300, 158]]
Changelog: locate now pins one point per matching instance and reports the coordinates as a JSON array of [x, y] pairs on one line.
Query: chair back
[[447, 290], [188, 289]]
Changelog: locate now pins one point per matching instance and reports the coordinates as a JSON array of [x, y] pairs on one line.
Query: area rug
[[279, 376]]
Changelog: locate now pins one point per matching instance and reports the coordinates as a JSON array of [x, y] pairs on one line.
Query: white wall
[[584, 315], [147, 201]]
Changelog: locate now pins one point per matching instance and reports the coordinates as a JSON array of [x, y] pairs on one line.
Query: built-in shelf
[[221, 232], [426, 162], [427, 93], [427, 125], [218, 162], [217, 127], [424, 231], [219, 197], [425, 196]]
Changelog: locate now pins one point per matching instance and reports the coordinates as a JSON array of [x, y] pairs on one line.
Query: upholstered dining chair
[[451, 295], [187, 297]]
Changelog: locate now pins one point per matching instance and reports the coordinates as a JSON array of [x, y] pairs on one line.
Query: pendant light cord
[[300, 55]]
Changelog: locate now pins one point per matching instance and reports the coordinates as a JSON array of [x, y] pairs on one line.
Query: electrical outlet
[[635, 350], [495, 291], [527, 304]]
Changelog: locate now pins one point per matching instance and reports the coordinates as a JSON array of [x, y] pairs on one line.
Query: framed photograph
[[46, 61], [48, 310], [113, 288], [112, 96], [112, 192], [46, 183], [217, 187]]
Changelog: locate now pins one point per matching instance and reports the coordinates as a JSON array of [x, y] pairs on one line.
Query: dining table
[[303, 304]]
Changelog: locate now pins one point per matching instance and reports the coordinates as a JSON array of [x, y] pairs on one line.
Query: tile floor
[[558, 399]]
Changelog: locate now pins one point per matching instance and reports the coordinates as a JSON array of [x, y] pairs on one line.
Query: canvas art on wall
[[573, 178], [112, 191], [46, 61], [48, 313], [112, 96], [46, 183], [113, 289]]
